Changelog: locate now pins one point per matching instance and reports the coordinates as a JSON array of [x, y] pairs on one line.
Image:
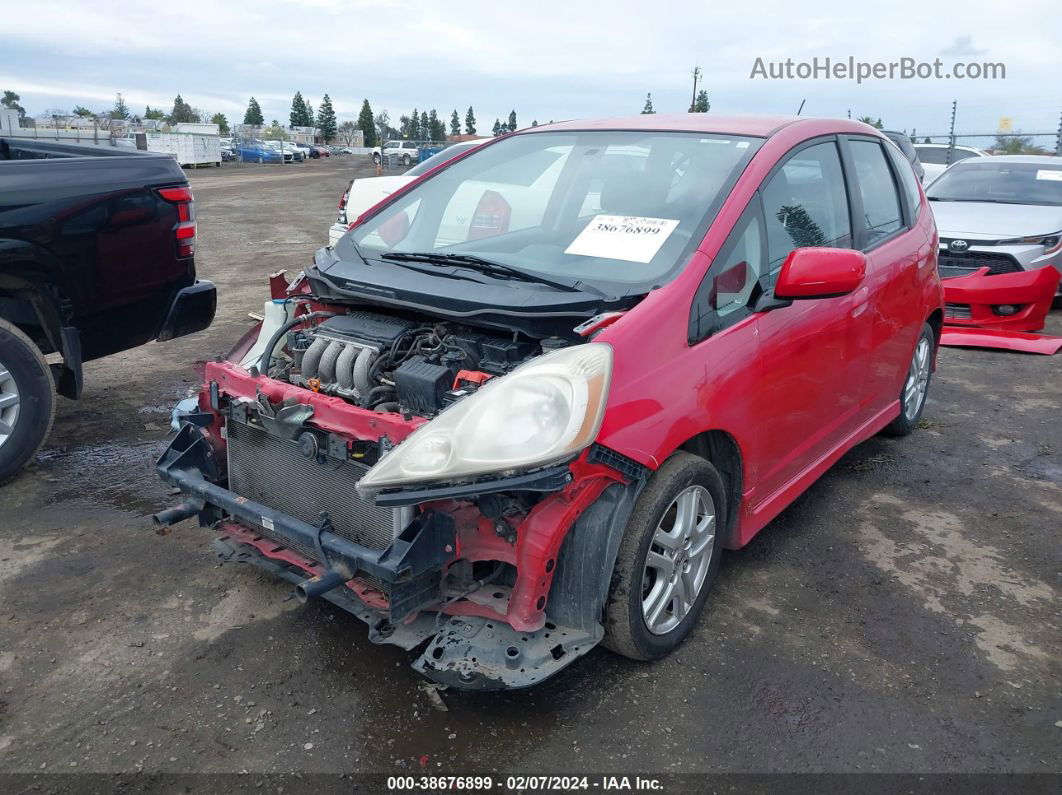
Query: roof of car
[[762, 126], [957, 146]]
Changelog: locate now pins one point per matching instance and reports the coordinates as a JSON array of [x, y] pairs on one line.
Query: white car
[[361, 194], [407, 152], [934, 157]]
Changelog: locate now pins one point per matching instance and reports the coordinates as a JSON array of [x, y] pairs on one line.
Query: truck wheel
[[667, 560], [915, 385], [27, 400], [406, 160], [376, 159]]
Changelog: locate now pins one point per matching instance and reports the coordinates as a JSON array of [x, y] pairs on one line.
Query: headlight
[[1051, 243], [544, 411]]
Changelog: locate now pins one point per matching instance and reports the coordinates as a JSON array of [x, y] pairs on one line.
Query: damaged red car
[[522, 407]]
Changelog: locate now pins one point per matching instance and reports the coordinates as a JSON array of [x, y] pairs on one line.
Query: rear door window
[[881, 200]]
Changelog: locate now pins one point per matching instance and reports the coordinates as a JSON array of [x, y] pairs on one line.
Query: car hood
[[988, 221]]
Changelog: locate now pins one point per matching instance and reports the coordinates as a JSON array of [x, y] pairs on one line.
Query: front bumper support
[[419, 553]]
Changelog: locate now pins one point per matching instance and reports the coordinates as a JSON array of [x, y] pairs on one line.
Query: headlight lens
[[543, 412]]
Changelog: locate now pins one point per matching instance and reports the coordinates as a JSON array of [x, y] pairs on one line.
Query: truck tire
[[668, 559], [27, 400], [407, 160]]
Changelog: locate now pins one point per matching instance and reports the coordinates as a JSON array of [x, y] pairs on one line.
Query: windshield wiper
[[482, 265]]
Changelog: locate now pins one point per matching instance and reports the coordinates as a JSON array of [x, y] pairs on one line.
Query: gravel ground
[[902, 616]]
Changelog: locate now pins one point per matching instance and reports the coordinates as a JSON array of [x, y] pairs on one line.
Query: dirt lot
[[902, 616]]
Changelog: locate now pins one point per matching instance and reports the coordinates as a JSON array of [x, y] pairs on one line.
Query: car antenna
[[801, 105]]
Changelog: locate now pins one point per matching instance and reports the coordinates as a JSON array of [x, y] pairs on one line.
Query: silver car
[[1001, 212]]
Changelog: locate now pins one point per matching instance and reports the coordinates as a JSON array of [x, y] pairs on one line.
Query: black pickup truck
[[96, 256]]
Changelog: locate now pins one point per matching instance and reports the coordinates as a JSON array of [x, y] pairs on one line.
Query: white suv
[[407, 152]]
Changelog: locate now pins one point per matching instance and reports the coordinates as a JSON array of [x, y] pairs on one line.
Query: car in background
[[289, 153], [934, 157], [228, 152], [303, 148], [258, 152], [1000, 212], [322, 151], [361, 194], [406, 151], [902, 141]]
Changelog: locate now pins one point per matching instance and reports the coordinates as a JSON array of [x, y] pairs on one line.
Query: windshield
[[603, 207], [1008, 183]]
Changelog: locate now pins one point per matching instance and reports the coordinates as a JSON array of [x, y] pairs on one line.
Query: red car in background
[[525, 403]]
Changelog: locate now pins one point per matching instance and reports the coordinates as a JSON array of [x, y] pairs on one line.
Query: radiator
[[272, 471]]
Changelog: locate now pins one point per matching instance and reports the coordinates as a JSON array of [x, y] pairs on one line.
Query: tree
[[512, 121], [470, 122], [384, 130], [413, 128], [455, 124], [82, 112], [498, 129], [648, 108], [182, 112], [425, 127], [299, 117], [436, 129], [120, 109], [1016, 144], [311, 120], [10, 100], [367, 124], [326, 119], [403, 126], [254, 114], [152, 113], [274, 131], [872, 122], [222, 123], [702, 105], [800, 226], [347, 132]]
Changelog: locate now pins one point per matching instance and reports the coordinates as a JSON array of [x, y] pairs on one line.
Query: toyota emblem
[[958, 245]]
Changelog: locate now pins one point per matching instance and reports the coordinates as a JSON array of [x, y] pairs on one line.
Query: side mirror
[[820, 273]]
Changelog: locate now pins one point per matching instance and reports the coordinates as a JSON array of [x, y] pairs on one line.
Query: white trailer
[[188, 148]]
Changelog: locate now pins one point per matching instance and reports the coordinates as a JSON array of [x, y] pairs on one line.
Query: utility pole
[[696, 75], [951, 135]]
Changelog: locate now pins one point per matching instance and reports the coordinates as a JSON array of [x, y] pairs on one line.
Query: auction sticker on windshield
[[627, 237], [1049, 174]]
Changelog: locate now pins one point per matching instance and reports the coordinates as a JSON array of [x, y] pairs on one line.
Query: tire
[[406, 160], [627, 629], [915, 385], [376, 159], [26, 419], [259, 158]]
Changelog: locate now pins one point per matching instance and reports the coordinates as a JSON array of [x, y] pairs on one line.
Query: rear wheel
[[915, 386], [27, 400], [406, 160], [668, 559]]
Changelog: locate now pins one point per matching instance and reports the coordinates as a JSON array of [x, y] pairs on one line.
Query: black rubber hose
[[267, 354]]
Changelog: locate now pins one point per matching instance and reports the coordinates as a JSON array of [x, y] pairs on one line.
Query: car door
[[886, 201], [812, 353]]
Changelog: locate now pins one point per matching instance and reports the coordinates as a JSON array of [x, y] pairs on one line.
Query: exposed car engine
[[390, 363]]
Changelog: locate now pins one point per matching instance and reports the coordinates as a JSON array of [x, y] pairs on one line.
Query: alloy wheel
[[678, 559], [914, 391], [10, 401]]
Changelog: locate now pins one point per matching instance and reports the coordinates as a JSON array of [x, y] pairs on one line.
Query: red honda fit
[[564, 372]]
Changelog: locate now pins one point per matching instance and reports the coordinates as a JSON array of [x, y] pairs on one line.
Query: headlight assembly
[[545, 411]]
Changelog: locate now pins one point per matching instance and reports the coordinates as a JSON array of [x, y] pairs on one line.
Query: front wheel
[[915, 386], [667, 560], [406, 160], [27, 400]]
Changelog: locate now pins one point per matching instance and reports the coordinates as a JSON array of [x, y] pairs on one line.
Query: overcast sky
[[546, 60]]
